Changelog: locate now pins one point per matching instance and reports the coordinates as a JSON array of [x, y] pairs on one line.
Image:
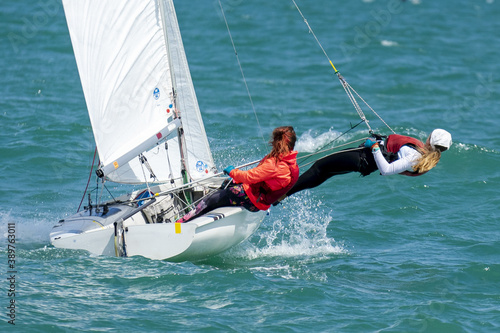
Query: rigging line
[[144, 162], [184, 203], [99, 200], [342, 80], [331, 141], [109, 192], [195, 203], [358, 108], [88, 181], [97, 190], [192, 183], [347, 89], [141, 160], [171, 176], [379, 117], [314, 35], [334, 153], [335, 139], [241, 70], [347, 86], [210, 192], [332, 148]]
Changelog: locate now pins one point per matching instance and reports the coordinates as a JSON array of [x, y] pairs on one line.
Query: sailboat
[[148, 131]]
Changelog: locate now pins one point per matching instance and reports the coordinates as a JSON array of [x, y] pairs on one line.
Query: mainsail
[[135, 75]]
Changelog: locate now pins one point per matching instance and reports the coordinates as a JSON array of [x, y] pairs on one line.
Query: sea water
[[372, 254]]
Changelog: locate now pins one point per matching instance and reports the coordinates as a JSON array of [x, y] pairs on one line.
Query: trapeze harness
[[393, 144]]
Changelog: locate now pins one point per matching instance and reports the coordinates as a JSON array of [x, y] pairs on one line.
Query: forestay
[[131, 59]]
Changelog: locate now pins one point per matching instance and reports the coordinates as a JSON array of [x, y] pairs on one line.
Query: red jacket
[[394, 143], [267, 182]]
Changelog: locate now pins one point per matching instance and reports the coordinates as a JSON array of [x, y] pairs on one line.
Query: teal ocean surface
[[373, 254]]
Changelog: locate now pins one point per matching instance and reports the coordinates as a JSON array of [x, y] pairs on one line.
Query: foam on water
[[297, 228], [308, 142], [388, 43], [29, 232]]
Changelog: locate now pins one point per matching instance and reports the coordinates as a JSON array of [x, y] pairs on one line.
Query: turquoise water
[[374, 254]]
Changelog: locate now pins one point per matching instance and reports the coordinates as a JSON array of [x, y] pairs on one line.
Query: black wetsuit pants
[[232, 196], [350, 160]]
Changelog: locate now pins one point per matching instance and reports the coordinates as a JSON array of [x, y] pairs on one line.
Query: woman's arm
[[264, 171], [407, 158]]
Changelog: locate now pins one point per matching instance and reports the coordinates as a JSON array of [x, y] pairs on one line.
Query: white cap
[[440, 137]]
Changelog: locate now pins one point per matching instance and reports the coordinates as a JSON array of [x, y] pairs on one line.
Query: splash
[[462, 147], [296, 229], [308, 143], [29, 232]]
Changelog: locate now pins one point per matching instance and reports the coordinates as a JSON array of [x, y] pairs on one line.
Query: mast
[[186, 178]]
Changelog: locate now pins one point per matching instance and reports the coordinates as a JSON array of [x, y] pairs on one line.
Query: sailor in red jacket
[[398, 154], [258, 188]]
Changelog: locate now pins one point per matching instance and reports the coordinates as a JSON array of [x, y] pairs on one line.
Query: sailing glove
[[370, 142], [228, 170]]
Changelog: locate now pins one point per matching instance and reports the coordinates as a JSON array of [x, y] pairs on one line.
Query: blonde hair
[[430, 157]]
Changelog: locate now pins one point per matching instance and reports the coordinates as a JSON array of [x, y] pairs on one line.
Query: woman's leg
[[215, 200], [231, 196], [345, 161], [238, 197]]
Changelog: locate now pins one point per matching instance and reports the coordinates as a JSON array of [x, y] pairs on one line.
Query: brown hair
[[430, 157], [282, 142]]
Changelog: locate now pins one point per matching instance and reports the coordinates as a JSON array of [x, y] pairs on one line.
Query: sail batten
[[128, 80]]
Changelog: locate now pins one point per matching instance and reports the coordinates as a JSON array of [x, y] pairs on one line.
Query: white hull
[[200, 238]]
